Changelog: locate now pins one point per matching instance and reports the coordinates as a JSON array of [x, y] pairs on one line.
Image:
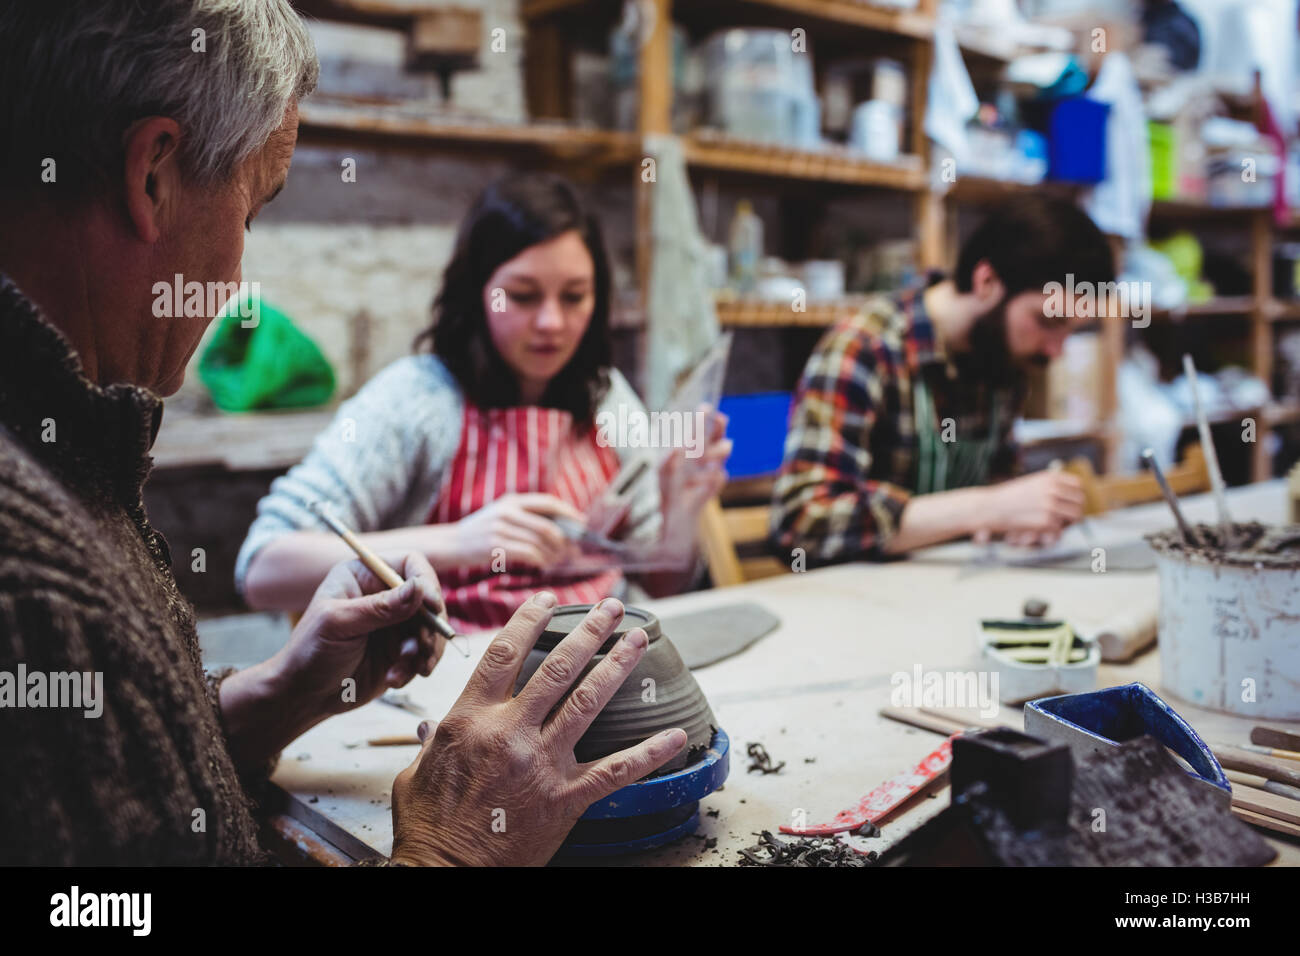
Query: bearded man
[[901, 432]]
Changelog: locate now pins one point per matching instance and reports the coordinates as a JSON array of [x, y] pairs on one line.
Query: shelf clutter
[[827, 118]]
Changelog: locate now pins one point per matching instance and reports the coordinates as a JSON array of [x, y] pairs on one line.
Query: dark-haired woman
[[483, 453]]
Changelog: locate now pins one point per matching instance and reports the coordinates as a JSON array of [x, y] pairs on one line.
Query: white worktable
[[810, 691]]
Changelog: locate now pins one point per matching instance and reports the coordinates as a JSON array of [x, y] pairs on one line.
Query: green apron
[[945, 465]]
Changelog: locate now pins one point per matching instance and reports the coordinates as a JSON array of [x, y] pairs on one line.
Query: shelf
[[1231, 306], [707, 150], [1282, 413], [759, 313], [371, 13], [842, 13], [1283, 310], [332, 123], [1042, 432], [985, 191], [1195, 209]]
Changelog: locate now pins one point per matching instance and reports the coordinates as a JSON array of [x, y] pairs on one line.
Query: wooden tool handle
[[1270, 737], [1234, 758], [940, 725]]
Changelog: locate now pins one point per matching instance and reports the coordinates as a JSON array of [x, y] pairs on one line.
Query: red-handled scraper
[[886, 798]]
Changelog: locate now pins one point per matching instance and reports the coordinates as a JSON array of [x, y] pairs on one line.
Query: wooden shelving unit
[[758, 313], [830, 165], [555, 28], [341, 123]]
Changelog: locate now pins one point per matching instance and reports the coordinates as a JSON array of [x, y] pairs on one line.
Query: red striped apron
[[528, 449]]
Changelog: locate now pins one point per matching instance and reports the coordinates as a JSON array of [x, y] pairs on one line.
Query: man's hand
[[356, 638], [1032, 510], [497, 783], [357, 629]]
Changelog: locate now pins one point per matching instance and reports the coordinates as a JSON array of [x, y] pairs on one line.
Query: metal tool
[[580, 534], [1149, 457]]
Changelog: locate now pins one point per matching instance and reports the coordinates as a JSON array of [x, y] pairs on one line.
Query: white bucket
[[1230, 632]]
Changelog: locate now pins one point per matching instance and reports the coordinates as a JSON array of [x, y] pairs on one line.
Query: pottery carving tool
[[382, 570], [1234, 758], [1263, 783], [1269, 751], [1149, 457], [1207, 447], [1269, 737]]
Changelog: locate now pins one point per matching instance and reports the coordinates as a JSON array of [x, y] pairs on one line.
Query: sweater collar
[[94, 437]]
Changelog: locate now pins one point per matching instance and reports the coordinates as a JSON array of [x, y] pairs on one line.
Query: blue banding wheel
[[671, 790]]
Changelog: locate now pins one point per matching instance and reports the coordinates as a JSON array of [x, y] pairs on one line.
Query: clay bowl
[[638, 710]]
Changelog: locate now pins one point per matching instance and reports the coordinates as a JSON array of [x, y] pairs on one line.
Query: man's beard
[[988, 355]]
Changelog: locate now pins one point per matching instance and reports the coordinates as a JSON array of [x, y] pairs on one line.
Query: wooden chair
[[734, 542], [1188, 477]]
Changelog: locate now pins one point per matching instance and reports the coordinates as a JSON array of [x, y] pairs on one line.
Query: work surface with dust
[[809, 692]]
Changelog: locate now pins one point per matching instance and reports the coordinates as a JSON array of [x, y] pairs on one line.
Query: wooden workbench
[[810, 692]]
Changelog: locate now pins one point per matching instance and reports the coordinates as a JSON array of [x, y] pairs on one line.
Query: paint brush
[[1149, 457], [382, 570], [1207, 447]]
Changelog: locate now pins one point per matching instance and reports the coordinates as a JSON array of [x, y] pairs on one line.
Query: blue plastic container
[[756, 426], [1078, 141]]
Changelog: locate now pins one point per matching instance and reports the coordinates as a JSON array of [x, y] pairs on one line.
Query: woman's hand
[[358, 637], [497, 783], [687, 483], [517, 529]]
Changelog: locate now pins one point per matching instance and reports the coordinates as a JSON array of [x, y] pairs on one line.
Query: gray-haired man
[[137, 142]]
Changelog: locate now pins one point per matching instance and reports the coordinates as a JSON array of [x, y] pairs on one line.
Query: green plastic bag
[[271, 364]]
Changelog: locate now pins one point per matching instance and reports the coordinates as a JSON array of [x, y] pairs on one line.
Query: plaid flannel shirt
[[851, 452]]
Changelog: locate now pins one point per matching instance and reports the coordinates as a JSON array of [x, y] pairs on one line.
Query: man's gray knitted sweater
[[86, 586]]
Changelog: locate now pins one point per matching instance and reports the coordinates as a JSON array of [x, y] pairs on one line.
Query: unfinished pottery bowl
[[659, 694]]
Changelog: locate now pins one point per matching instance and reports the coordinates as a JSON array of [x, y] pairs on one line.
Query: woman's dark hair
[[509, 216], [1034, 241]]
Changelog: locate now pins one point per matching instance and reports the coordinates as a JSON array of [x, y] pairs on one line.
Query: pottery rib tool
[[1270, 737], [886, 798], [1207, 447], [384, 572], [1149, 457]]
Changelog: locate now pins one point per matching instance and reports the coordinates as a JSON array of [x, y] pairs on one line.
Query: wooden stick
[[401, 740], [381, 569], [940, 725], [1234, 758], [1263, 783], [1265, 821], [1207, 447], [1269, 804], [1271, 752]]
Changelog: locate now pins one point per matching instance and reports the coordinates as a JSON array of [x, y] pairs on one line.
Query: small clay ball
[[1035, 607]]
